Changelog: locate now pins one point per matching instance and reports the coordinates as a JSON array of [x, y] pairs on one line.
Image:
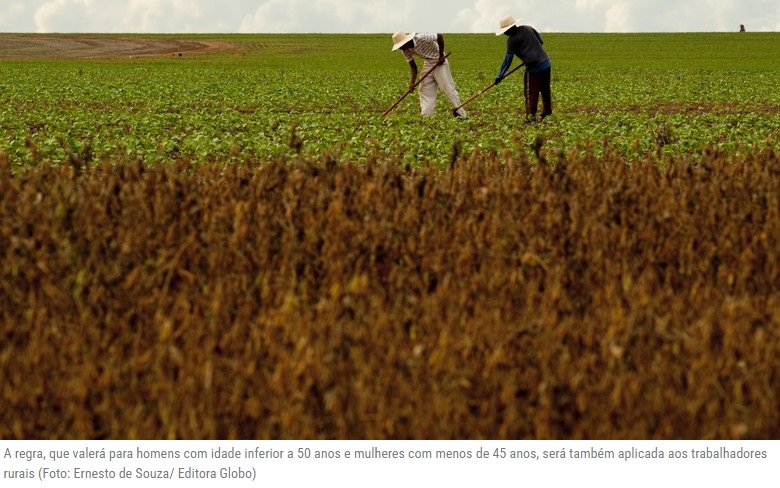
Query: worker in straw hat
[[429, 47], [525, 42]]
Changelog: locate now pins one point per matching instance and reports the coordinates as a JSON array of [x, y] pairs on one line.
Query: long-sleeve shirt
[[526, 43]]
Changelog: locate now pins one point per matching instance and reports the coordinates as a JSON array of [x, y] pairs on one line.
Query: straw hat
[[507, 23], [401, 38]]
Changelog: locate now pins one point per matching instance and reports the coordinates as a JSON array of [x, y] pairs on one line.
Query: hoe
[[486, 88]]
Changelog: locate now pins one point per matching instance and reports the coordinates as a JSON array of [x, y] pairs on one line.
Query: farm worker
[[525, 42], [430, 47]]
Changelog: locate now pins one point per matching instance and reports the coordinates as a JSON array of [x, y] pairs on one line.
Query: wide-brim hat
[[507, 23], [401, 38]]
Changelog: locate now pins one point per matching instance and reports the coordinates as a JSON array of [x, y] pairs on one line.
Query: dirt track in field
[[75, 46]]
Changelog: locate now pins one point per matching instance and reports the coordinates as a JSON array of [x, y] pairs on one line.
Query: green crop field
[[237, 244], [637, 92]]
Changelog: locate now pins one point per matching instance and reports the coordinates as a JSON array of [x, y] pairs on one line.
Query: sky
[[384, 16]]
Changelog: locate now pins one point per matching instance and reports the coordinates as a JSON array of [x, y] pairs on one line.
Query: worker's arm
[[505, 66], [538, 37], [440, 42], [413, 69]]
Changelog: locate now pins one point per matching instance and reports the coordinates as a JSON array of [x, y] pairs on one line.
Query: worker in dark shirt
[[525, 42]]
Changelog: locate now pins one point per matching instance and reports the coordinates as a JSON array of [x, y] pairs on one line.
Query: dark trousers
[[538, 84]]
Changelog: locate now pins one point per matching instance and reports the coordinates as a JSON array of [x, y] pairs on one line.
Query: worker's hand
[[411, 87], [498, 79], [442, 58]]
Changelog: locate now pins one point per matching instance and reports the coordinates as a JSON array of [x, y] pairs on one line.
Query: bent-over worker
[[525, 42], [429, 47]]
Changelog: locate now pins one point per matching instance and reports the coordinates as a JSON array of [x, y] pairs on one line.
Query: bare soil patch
[[75, 46]]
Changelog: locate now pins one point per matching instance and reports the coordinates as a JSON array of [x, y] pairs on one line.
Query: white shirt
[[425, 46]]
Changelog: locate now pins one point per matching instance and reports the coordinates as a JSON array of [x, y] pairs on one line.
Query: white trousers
[[441, 78]]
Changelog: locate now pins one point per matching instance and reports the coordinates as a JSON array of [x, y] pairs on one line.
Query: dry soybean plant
[[579, 298]]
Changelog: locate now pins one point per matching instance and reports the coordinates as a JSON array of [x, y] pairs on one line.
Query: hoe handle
[[487, 88]]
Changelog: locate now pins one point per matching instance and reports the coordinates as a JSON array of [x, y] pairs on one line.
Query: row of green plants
[[640, 93]]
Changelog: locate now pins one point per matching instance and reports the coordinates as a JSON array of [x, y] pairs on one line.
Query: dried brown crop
[[579, 298]]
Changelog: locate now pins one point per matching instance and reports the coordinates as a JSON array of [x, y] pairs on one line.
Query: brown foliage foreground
[[498, 299]]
